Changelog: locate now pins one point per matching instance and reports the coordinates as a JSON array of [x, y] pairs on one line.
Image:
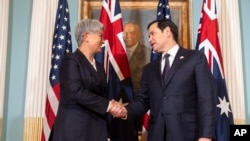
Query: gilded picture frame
[[143, 12]]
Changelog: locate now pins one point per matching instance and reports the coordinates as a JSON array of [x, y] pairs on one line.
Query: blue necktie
[[166, 67]]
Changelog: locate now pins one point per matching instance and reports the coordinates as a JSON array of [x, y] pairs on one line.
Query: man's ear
[[167, 31]]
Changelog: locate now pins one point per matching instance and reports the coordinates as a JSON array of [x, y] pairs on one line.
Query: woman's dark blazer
[[83, 101]]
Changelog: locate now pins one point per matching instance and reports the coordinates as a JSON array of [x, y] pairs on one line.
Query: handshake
[[117, 109]]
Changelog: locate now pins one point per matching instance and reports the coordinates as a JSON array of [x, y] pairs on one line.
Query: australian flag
[[208, 42], [114, 59]]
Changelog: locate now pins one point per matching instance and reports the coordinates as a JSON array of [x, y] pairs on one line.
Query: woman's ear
[[85, 37]]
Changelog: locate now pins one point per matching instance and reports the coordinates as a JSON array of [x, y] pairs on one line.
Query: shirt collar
[[173, 51], [133, 47]]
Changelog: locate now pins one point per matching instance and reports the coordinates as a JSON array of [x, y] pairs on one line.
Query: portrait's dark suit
[[139, 58], [83, 103], [183, 109]]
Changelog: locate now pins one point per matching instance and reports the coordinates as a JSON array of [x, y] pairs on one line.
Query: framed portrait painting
[[143, 12]]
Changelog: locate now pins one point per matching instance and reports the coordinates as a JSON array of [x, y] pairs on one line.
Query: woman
[[83, 103]]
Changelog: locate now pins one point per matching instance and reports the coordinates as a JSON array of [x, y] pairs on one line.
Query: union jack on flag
[[208, 42], [61, 45], [114, 59]]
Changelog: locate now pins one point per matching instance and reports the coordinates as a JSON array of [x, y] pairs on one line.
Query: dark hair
[[162, 24]]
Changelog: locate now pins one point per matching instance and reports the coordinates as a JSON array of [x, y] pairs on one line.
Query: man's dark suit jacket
[[183, 109], [83, 102]]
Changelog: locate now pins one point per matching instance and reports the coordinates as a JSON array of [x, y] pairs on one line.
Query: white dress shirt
[[172, 53]]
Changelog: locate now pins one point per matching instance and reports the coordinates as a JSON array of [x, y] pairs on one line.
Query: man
[[137, 53], [138, 56], [182, 105]]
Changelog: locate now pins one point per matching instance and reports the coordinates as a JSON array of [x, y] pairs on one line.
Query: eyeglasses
[[99, 34]]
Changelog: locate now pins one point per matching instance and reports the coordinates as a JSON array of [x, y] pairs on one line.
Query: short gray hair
[[85, 26]]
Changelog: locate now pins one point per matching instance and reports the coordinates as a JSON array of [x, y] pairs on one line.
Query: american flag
[[208, 42], [114, 59], [163, 12], [61, 45]]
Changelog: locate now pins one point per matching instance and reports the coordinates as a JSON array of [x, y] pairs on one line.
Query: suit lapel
[[84, 62], [138, 54], [178, 61], [157, 69]]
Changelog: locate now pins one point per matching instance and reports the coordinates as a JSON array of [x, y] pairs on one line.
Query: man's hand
[[204, 139], [117, 109]]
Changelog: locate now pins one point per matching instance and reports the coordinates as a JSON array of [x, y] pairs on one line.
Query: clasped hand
[[117, 109]]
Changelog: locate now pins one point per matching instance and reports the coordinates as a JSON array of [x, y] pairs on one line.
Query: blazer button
[[165, 97]]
